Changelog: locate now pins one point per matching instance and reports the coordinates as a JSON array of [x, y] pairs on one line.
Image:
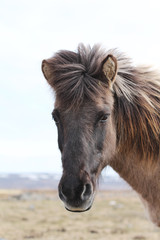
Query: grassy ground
[[40, 215]]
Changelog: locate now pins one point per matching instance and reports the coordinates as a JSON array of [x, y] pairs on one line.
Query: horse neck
[[144, 178]]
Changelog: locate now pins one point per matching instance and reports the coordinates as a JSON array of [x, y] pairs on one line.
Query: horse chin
[[83, 208], [78, 209]]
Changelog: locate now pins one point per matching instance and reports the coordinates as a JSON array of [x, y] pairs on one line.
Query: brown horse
[[107, 112]]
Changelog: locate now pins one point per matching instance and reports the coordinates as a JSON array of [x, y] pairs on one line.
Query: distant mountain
[[50, 181]]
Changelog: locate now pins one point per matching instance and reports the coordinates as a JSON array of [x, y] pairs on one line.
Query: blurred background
[[31, 31]]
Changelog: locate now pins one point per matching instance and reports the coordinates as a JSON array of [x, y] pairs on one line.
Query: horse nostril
[[62, 194], [87, 191]]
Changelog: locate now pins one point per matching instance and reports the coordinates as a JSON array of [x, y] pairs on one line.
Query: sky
[[32, 30]]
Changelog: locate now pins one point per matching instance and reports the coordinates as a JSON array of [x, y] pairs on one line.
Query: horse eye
[[55, 117], [104, 118]]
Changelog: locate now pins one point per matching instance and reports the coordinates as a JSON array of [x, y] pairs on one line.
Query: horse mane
[[137, 108], [77, 76]]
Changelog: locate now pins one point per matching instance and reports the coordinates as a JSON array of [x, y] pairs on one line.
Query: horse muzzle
[[77, 195]]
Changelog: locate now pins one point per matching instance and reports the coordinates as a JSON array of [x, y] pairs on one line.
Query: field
[[39, 215]]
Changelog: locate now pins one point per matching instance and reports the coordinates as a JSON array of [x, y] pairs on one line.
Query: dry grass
[[40, 215]]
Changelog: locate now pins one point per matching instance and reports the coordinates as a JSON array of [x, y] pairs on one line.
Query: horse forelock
[[76, 75]]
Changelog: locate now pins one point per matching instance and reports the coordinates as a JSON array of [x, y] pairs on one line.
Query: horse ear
[[109, 67], [46, 69]]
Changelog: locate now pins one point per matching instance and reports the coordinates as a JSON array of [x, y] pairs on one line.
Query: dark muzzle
[[76, 193]]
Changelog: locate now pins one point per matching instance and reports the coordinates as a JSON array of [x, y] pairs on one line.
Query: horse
[[107, 112]]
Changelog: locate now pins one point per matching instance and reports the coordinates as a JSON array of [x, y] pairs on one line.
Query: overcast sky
[[31, 30]]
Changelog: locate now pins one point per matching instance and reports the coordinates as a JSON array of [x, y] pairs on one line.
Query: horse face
[[84, 118], [86, 139]]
